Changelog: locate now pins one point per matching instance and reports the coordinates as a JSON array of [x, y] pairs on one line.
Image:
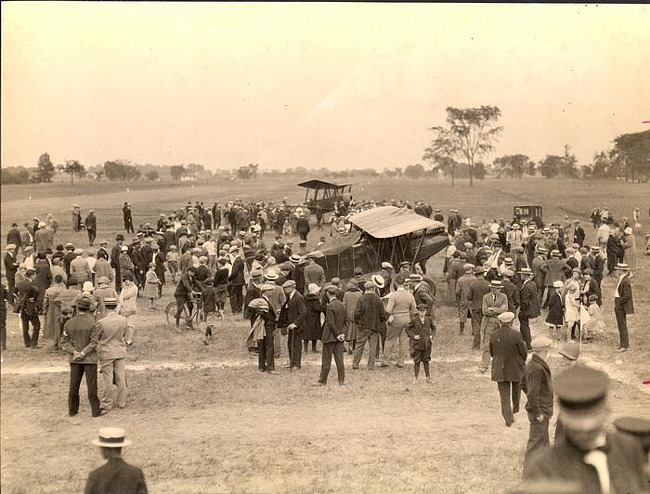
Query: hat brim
[[99, 442], [584, 422]]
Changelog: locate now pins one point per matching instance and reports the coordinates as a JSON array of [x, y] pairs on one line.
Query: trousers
[[524, 328], [294, 344], [363, 336], [332, 349], [396, 339], [77, 372], [490, 326], [477, 315], [538, 438], [621, 322], [236, 298], [265, 356], [25, 319], [114, 376], [506, 390]]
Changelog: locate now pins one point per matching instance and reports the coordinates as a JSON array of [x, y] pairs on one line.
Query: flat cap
[[636, 426], [506, 317], [422, 307], [368, 284], [570, 350], [289, 283], [541, 343]]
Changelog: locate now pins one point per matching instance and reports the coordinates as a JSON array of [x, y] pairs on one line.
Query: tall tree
[[512, 165], [72, 168], [414, 171], [441, 152], [177, 172], [46, 168], [470, 134], [634, 152]]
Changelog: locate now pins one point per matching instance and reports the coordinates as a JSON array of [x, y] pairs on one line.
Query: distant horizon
[[313, 85]]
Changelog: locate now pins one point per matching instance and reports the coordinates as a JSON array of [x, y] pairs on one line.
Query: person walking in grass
[[333, 337], [421, 332], [152, 283]]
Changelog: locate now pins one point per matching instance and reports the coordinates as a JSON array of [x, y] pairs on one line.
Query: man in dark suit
[[537, 383], [333, 337], [11, 268], [116, 475], [528, 304], [116, 250], [128, 218], [27, 295], [597, 461], [578, 233], [13, 236], [623, 305], [253, 291], [292, 317], [508, 350], [236, 281], [369, 315]]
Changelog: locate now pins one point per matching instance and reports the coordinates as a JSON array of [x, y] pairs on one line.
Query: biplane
[[325, 194], [378, 235]]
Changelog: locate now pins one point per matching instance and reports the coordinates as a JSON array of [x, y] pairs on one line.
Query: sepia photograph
[[343, 247]]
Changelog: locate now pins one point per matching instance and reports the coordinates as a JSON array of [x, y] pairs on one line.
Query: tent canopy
[[390, 221]]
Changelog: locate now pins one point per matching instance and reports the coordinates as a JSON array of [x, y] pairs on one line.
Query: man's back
[[116, 477]]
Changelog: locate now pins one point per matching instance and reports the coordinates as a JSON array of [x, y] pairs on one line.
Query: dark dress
[[313, 329], [555, 309]]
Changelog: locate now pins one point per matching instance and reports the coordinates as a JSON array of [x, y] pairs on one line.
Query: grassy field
[[204, 420]]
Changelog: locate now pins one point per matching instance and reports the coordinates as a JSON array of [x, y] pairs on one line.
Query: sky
[[314, 85]]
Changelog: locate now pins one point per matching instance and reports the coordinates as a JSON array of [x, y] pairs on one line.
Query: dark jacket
[[508, 350], [28, 295], [624, 300], [10, 266], [555, 309], [370, 312], [13, 237], [80, 334], [528, 301], [512, 292], [116, 477], [537, 383], [252, 292], [293, 311], [334, 321], [236, 277], [477, 289], [426, 329], [312, 329], [564, 461]]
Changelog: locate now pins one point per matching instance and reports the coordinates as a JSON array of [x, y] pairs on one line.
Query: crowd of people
[[494, 272]]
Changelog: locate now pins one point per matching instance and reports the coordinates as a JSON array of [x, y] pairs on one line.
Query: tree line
[[458, 149]]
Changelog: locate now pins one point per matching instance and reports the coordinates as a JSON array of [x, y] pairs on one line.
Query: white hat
[[124, 248], [111, 437], [558, 284], [87, 286], [506, 317]]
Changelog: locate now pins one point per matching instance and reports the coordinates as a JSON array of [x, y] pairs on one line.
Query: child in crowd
[[421, 332]]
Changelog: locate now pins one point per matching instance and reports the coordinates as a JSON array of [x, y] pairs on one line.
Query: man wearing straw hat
[[599, 461], [623, 305], [116, 476]]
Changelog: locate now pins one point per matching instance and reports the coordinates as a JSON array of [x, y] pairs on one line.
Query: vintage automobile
[[527, 214], [382, 234], [325, 194]]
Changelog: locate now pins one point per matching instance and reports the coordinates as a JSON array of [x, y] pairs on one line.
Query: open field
[[204, 420]]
